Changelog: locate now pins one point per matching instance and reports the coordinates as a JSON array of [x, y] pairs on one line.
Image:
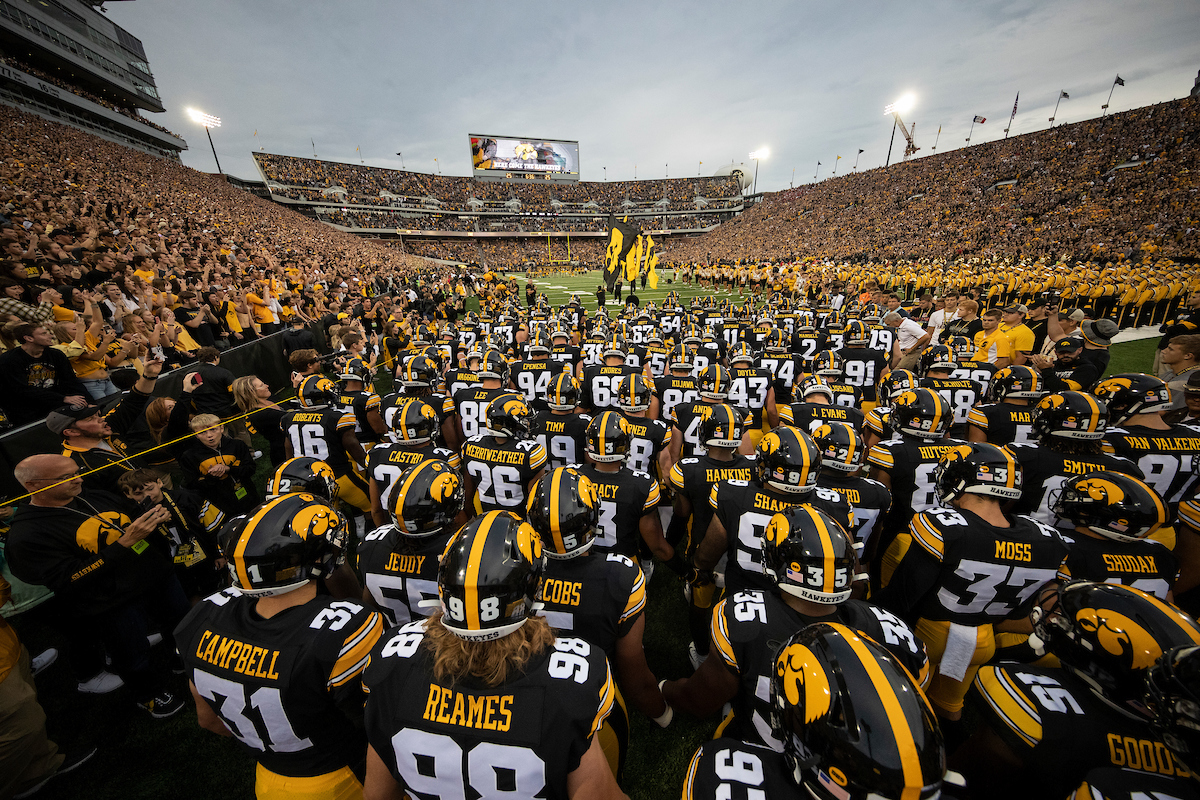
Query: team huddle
[[915, 566]]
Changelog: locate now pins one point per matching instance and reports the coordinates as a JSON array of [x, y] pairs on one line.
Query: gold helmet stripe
[[397, 501], [474, 561], [239, 550], [555, 526], [1095, 421], [827, 569]]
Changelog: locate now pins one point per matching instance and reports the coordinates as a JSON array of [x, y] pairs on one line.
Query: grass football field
[[141, 759]]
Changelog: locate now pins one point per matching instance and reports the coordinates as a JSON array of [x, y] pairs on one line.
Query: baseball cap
[[1077, 315], [1099, 331], [1193, 383], [1038, 303], [64, 417], [1016, 308], [1068, 344]]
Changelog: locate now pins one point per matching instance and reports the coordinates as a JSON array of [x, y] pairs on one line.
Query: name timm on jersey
[[241, 657], [487, 712]]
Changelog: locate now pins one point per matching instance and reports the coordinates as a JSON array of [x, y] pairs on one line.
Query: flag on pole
[[818, 163], [861, 150], [621, 236], [651, 262], [1065, 96], [633, 262], [1119, 81], [1015, 104], [978, 119]]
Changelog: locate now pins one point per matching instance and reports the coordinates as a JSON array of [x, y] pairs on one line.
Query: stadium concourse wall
[[263, 357]]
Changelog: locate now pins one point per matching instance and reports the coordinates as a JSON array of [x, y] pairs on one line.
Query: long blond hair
[[490, 662], [243, 392]]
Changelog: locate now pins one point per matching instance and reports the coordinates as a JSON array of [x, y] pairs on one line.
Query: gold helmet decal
[[805, 684], [528, 542], [445, 484], [1102, 490], [324, 470], [1120, 636], [314, 520]]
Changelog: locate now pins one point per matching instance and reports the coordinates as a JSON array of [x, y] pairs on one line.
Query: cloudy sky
[[659, 87]]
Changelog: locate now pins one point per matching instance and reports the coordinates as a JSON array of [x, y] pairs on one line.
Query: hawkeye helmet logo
[[1120, 636], [805, 684]]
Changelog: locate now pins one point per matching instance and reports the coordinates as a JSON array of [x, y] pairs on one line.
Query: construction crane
[[903, 104]]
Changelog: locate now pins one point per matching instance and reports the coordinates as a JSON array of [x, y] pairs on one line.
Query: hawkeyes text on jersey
[[532, 731], [602, 385], [1045, 470], [385, 462], [400, 571], [749, 626], [595, 597], [317, 433], [623, 497], [501, 470], [1003, 423], [563, 435], [281, 684]]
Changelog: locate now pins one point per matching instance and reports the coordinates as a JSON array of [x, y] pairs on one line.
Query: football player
[[599, 598], [967, 567], [786, 467], [466, 375], [815, 407], [564, 352], [320, 429], [471, 403], [1007, 417], [532, 376], [420, 377], [628, 500], [1113, 515], [1172, 695], [852, 724], [678, 386], [561, 429], [601, 382], [784, 367], [810, 563], [842, 453], [1067, 428], [650, 438], [935, 368], [751, 390], [828, 366], [501, 464], [398, 561], [1168, 455], [1044, 729], [482, 694], [414, 426], [862, 366], [712, 387], [277, 665], [358, 397]]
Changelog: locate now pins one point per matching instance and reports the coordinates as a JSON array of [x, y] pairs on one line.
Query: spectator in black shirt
[[298, 337], [196, 318], [36, 377]]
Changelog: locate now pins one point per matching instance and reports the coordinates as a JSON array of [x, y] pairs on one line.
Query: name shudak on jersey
[[243, 658], [449, 707]]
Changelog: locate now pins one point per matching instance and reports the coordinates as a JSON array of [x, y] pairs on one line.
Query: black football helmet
[[316, 391], [284, 543], [722, 427], [850, 716], [635, 393], [490, 577], [895, 383], [841, 446], [493, 365], [414, 422], [563, 392], [418, 372], [608, 438], [879, 422], [828, 364], [1070, 415], [856, 332], [776, 342], [741, 353], [963, 347], [1017, 382], [1132, 393], [539, 344], [977, 468], [682, 358], [355, 369], [936, 357], [809, 555], [788, 460], [922, 413], [304, 474], [1173, 696], [1111, 504], [812, 385], [712, 383], [509, 415], [564, 513], [426, 498], [615, 346], [1109, 635]]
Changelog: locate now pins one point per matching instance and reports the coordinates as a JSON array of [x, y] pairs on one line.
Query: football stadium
[[442, 465]]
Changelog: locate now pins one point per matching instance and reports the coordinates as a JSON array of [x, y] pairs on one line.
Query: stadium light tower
[[760, 153], [209, 122], [902, 105]]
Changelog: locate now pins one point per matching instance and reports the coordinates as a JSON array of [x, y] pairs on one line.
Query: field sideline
[[142, 759]]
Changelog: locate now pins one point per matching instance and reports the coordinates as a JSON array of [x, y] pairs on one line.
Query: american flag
[[1015, 103]]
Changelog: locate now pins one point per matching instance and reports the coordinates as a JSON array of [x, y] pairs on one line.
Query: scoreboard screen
[[495, 156]]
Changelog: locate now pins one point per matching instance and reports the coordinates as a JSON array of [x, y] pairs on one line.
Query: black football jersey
[[635, 356], [657, 356], [648, 438], [564, 436], [673, 390], [471, 406], [1145, 564], [1044, 471], [962, 395], [745, 509], [1060, 730], [847, 395], [456, 380], [566, 354], [870, 500], [863, 367], [806, 344], [705, 356], [810, 416], [317, 433], [360, 404], [748, 628], [910, 463], [437, 739], [595, 597], [695, 477], [532, 379], [1003, 423], [501, 471], [385, 462], [1123, 783], [400, 571], [687, 418], [748, 390], [726, 769], [391, 402], [1169, 460], [785, 369], [623, 497], [601, 386], [981, 372], [963, 569], [882, 339], [468, 335], [283, 685]]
